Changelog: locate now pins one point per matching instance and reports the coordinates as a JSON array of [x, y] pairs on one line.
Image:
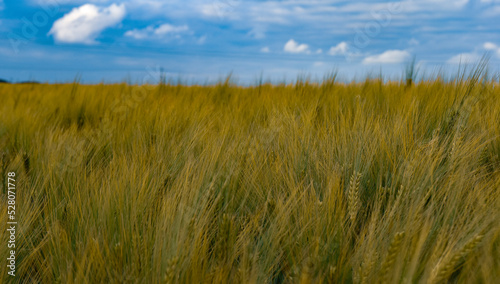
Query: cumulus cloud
[[492, 47], [84, 24], [265, 49], [167, 29], [339, 49], [390, 56], [216, 9], [294, 47], [464, 58], [157, 32]]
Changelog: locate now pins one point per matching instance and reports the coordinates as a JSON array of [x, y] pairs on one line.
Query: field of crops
[[328, 182]]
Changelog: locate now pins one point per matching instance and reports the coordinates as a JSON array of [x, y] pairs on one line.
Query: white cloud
[[265, 50], [213, 10], [157, 32], [390, 56], [84, 24], [490, 46], [258, 32], [493, 47], [293, 47], [413, 41], [340, 48], [166, 29], [432, 5], [464, 58]]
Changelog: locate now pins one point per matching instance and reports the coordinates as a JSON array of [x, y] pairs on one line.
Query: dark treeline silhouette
[[27, 82], [3, 81]]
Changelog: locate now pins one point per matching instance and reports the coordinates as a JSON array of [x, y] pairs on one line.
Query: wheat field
[[331, 182]]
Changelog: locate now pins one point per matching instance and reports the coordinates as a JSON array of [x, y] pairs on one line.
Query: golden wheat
[[259, 184], [443, 270], [354, 202]]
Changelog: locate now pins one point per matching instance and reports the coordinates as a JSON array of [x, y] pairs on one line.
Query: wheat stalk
[[354, 202], [391, 255], [171, 270], [443, 270], [307, 271], [456, 143], [367, 267]]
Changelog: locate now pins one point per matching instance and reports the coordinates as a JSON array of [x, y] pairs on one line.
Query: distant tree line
[[3, 81]]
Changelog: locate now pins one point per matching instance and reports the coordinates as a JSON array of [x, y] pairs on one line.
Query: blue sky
[[204, 40]]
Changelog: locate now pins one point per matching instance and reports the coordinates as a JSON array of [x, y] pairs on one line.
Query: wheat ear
[[354, 201], [443, 270], [391, 255], [171, 270]]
